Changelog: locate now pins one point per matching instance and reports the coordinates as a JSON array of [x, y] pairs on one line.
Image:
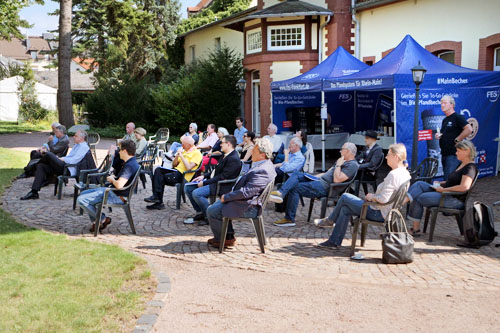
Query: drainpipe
[[320, 48], [356, 29]]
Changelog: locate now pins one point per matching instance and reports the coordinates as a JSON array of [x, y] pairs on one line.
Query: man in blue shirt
[[51, 164], [294, 160], [239, 131], [89, 199]]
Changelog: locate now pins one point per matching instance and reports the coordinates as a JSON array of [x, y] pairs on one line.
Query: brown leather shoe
[[228, 243], [105, 223]]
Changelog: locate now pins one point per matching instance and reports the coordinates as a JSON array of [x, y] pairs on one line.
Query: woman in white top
[[349, 204]]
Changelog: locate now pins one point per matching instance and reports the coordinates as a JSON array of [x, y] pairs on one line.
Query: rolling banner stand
[[478, 105]]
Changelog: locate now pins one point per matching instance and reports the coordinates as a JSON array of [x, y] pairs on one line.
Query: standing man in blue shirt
[[239, 131], [51, 164], [89, 199], [294, 160]]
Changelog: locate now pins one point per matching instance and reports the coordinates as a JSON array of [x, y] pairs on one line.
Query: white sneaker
[[275, 198], [323, 223], [189, 220]]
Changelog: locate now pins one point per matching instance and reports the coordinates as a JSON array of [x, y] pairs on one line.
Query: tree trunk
[[64, 103]]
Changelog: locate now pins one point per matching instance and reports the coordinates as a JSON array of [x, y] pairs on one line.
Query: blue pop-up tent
[[476, 94], [305, 91]]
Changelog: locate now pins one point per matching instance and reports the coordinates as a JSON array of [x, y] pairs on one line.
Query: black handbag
[[397, 243]]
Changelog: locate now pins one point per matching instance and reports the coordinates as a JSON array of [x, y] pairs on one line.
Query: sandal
[[415, 233]]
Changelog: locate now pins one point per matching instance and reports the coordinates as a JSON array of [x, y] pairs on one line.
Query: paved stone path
[[439, 264]]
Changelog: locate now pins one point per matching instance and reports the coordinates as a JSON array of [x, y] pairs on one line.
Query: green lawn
[[10, 127], [49, 283]]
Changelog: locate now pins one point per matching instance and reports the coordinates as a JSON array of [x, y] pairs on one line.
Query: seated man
[[50, 164], [228, 168], [57, 144], [129, 135], [89, 199], [187, 158], [242, 201], [211, 139], [273, 137], [294, 160], [344, 169], [371, 156]]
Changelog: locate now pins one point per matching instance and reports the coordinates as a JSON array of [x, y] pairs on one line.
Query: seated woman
[[142, 143], [216, 150], [176, 145], [301, 134], [349, 205], [248, 144], [422, 194]]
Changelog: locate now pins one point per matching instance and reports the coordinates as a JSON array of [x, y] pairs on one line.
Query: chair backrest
[[471, 187], [399, 196], [264, 196], [65, 151], [131, 187], [162, 135], [148, 158], [93, 138], [428, 168], [86, 163]]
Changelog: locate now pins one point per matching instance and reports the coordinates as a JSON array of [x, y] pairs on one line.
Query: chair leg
[[178, 197], [302, 201], [258, 231], [427, 214], [354, 236], [81, 211], [263, 230], [311, 205], [130, 218], [324, 204], [433, 224], [365, 188], [460, 223], [60, 189], [75, 195], [97, 219], [364, 228], [357, 184], [223, 233]]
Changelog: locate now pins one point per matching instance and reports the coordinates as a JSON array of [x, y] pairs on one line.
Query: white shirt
[[391, 184]]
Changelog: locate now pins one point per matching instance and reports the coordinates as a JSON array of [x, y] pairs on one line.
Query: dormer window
[[285, 37], [34, 54]]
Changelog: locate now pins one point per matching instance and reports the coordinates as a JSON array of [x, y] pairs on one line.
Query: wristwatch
[[457, 141]]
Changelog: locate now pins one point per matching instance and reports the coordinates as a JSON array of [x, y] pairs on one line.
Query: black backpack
[[479, 228]]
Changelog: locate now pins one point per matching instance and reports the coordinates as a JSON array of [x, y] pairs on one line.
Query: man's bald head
[[187, 142], [130, 128]]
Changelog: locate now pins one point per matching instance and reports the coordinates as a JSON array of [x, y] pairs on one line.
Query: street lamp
[[418, 73], [242, 84]]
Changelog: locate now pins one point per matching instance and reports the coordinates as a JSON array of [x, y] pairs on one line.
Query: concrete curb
[[146, 322]]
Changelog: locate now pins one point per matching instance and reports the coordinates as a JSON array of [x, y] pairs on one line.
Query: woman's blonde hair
[[399, 150], [467, 145]]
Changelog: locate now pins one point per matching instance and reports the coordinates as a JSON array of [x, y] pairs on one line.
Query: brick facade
[[447, 45], [487, 46]]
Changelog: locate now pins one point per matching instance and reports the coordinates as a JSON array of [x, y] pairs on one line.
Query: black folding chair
[[147, 162], [426, 170]]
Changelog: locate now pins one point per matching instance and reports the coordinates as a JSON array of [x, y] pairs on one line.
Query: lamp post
[[242, 84], [418, 73]]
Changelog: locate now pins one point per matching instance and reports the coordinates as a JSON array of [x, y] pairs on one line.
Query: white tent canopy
[[9, 99]]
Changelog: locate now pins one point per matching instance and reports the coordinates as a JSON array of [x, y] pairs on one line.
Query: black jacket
[[60, 147], [372, 159], [228, 168]]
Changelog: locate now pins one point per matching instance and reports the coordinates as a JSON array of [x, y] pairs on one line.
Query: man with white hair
[[298, 184], [453, 129], [294, 160], [186, 158], [273, 137], [242, 201]]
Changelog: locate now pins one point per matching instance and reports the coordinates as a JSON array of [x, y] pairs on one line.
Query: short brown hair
[[129, 146]]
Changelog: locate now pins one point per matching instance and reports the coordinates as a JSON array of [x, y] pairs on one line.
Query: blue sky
[[38, 15]]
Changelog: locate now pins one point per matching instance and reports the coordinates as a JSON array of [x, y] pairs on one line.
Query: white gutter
[[320, 48], [356, 29]]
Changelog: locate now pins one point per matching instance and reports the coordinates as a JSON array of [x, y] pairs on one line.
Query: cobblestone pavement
[[440, 264]]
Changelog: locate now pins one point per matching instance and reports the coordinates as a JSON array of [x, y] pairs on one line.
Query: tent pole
[[322, 134]]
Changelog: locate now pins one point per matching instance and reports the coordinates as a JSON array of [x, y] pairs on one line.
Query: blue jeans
[[214, 214], [174, 147], [347, 206], [450, 164], [89, 199], [422, 195], [198, 197], [298, 185]]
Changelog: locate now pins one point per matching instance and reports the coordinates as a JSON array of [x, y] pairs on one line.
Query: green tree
[[10, 22]]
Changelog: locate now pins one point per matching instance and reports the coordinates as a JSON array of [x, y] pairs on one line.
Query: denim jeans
[[198, 197], [422, 195], [298, 185], [174, 147], [347, 206], [450, 164], [89, 199], [214, 214]]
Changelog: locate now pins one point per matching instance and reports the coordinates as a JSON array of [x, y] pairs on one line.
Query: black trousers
[[48, 166], [279, 176], [164, 177]]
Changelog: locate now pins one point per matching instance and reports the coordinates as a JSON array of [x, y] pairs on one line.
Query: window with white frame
[[496, 60], [254, 40], [285, 37], [447, 56]]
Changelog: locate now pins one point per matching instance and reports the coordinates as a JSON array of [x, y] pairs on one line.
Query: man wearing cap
[[370, 158]]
